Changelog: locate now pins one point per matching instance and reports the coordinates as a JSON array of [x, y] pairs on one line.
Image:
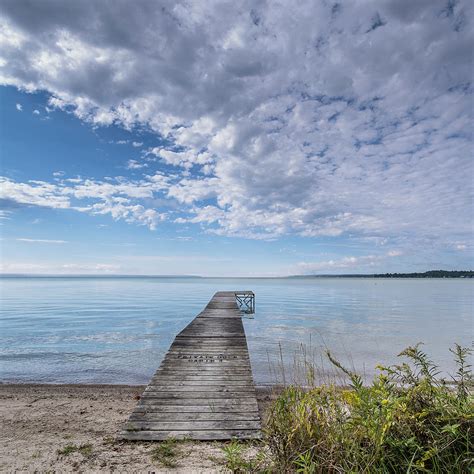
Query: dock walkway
[[203, 389]]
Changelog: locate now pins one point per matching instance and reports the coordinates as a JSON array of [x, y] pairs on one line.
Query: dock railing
[[246, 301]]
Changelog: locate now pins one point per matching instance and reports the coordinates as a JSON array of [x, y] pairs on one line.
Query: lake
[[117, 330]]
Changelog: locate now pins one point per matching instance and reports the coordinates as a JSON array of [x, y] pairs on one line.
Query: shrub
[[407, 420]]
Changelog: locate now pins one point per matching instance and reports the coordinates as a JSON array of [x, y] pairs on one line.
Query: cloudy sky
[[236, 138]]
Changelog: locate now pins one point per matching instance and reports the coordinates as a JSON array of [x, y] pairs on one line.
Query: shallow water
[[116, 330]]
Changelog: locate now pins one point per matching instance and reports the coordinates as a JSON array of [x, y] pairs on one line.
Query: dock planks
[[203, 389]]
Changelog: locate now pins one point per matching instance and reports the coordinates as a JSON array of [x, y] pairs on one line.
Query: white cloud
[[137, 144], [42, 241], [308, 118], [19, 107], [135, 165], [36, 112], [118, 198], [37, 193]]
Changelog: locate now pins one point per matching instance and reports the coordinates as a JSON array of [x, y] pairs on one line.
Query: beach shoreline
[[41, 420]]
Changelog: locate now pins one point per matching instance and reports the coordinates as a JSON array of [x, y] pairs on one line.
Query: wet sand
[[40, 421]]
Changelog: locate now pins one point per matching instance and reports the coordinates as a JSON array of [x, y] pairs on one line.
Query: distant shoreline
[[432, 274], [428, 274]]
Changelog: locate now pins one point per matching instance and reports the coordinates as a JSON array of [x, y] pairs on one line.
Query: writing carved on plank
[[207, 358]]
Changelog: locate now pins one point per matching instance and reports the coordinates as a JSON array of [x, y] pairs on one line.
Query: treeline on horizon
[[428, 274]]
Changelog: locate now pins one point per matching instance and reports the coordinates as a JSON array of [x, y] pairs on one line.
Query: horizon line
[[125, 275]]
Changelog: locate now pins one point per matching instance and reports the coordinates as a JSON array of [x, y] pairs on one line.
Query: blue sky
[[213, 140]]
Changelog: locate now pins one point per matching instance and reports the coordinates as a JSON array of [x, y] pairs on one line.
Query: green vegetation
[[165, 453], [407, 420], [428, 274], [238, 461], [234, 460], [84, 449]]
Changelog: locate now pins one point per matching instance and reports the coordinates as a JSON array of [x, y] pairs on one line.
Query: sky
[[225, 138]]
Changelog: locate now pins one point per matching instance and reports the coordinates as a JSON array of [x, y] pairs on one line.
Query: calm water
[[93, 330]]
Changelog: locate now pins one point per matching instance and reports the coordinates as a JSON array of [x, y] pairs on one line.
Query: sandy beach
[[72, 428]]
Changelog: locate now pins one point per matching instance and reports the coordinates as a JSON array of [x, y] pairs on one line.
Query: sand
[[44, 425]]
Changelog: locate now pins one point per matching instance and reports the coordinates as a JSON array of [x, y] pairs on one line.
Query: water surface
[[117, 330]]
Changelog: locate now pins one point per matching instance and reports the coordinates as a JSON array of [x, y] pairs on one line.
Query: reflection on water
[[87, 330]]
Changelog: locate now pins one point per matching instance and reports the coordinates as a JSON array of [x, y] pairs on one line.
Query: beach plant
[[84, 449], [166, 453], [237, 460], [407, 420], [234, 460]]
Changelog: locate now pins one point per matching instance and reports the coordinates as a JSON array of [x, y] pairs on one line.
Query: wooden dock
[[204, 388]]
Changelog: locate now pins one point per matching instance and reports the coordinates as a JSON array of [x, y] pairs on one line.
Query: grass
[[166, 453], [238, 461], [84, 449], [408, 420]]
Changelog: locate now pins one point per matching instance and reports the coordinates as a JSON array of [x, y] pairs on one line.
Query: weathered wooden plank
[[212, 352], [190, 345], [152, 416], [200, 369], [199, 380], [205, 370], [212, 348], [210, 326], [192, 425], [190, 365], [224, 299], [207, 356], [197, 394], [225, 312], [190, 368], [213, 389], [245, 403], [215, 316], [215, 368], [200, 404], [204, 435], [221, 305], [229, 361], [212, 340]]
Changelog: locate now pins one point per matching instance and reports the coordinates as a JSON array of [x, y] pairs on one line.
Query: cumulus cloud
[[308, 118], [19, 107], [119, 198]]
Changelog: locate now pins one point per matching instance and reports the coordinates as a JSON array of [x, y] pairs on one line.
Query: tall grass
[[407, 420]]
